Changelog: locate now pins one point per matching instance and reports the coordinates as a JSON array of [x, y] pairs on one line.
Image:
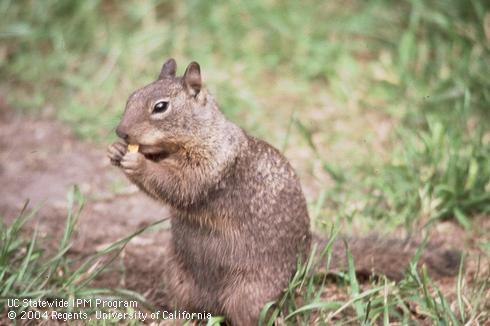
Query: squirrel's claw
[[116, 152]]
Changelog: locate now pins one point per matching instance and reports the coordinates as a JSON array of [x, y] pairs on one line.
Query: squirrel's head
[[168, 113]]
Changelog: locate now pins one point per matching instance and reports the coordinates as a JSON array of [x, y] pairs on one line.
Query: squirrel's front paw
[[133, 164], [116, 151]]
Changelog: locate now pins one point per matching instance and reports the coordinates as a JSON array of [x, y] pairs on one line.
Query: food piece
[[133, 148]]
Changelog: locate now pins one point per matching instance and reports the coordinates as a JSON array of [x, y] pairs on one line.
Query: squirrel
[[239, 220]]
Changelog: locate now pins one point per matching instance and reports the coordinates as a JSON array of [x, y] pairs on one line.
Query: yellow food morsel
[[133, 148]]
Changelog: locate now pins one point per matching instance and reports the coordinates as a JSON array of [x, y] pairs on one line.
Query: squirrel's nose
[[121, 133]]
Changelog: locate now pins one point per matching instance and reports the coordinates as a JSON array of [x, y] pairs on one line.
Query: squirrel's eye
[[160, 107]]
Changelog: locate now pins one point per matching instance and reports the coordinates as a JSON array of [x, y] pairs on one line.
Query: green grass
[[382, 106], [414, 299], [27, 271]]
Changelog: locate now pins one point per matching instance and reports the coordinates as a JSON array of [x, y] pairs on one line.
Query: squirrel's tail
[[390, 257]]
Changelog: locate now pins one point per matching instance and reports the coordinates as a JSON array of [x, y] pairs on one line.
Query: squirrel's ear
[[168, 70], [192, 78]]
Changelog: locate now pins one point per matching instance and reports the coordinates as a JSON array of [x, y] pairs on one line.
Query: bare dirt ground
[[40, 160]]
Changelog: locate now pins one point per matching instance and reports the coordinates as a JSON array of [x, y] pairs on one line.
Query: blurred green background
[[382, 106]]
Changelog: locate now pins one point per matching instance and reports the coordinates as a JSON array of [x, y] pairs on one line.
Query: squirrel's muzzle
[[121, 132]]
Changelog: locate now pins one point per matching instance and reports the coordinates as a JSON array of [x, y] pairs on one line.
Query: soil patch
[[40, 161]]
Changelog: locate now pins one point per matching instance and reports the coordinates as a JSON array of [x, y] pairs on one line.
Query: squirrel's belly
[[201, 246], [212, 255]]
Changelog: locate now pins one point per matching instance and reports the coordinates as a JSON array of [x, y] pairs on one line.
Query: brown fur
[[240, 220], [374, 255]]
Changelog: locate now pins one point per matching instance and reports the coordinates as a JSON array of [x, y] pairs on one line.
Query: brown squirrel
[[240, 221]]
